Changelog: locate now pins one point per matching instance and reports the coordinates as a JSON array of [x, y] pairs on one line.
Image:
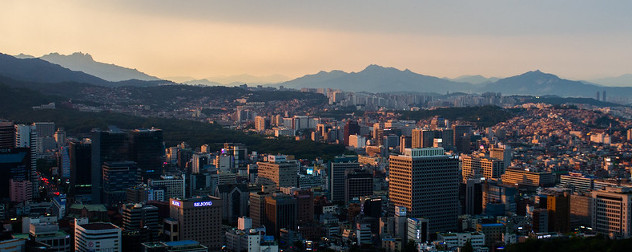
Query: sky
[[574, 39]]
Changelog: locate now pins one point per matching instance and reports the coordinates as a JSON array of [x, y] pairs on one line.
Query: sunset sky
[[574, 39]]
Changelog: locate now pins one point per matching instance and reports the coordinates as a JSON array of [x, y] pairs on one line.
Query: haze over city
[[578, 40]]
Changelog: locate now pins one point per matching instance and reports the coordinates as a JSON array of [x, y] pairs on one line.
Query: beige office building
[[278, 170], [199, 219], [426, 182]]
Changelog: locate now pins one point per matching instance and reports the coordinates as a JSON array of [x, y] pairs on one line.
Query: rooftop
[[99, 226]]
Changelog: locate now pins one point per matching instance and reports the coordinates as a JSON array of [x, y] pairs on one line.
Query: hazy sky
[[575, 39]]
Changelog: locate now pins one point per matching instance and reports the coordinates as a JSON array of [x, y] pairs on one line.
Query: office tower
[[7, 135], [280, 212], [461, 141], [422, 138], [558, 206], [147, 149], [64, 162], [337, 176], [80, 153], [198, 161], [426, 182], [98, 236], [261, 123], [358, 183], [117, 178], [304, 206], [350, 128], [26, 137], [142, 219], [279, 170], [503, 154], [257, 208], [234, 201], [107, 146], [499, 199], [404, 143], [603, 95], [493, 232], [580, 210], [363, 232], [611, 214], [540, 220], [471, 196], [173, 185], [60, 137], [474, 167], [15, 164], [199, 219], [20, 190], [447, 135], [143, 193]]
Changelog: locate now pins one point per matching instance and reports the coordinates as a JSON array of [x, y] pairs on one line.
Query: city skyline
[[578, 40]]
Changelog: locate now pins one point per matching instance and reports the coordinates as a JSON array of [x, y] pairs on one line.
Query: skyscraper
[[426, 182], [117, 178], [337, 176], [280, 212], [422, 138], [80, 153], [148, 151], [199, 219], [358, 183], [7, 135], [107, 146], [351, 128], [141, 218]]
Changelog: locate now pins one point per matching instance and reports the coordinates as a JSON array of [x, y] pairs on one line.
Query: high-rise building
[[279, 170], [580, 210], [15, 164], [404, 143], [257, 208], [422, 138], [474, 167], [234, 200], [503, 154], [471, 197], [337, 176], [358, 183], [7, 135], [26, 136], [80, 153], [142, 219], [147, 149], [173, 185], [350, 128], [261, 123], [611, 212], [97, 237], [199, 219], [426, 182], [20, 190], [117, 178], [198, 161], [304, 206], [107, 146], [280, 212], [558, 206]]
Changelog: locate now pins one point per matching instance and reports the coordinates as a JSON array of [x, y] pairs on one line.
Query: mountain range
[[376, 79], [41, 71]]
